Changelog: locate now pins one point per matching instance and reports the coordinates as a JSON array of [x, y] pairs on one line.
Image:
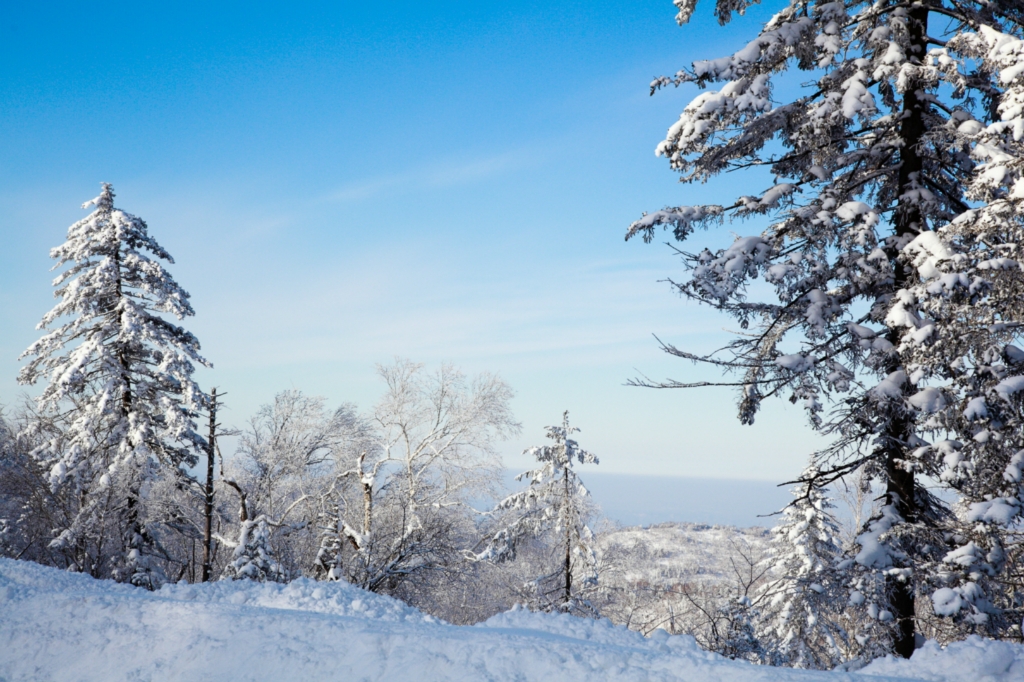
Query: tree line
[[115, 468]]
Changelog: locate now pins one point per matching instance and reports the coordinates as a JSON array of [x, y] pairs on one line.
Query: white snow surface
[[62, 626]]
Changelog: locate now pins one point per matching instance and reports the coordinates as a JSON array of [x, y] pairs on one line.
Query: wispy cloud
[[445, 174], [401, 302]]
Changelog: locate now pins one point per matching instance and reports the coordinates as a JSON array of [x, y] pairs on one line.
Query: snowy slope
[[67, 627]]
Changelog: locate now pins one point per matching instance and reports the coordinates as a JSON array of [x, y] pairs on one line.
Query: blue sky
[[342, 183]]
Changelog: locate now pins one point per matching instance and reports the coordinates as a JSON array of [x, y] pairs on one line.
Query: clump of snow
[[928, 400], [928, 250], [1013, 354], [64, 626], [976, 408], [1009, 386], [1000, 510], [795, 363], [946, 601], [891, 387]]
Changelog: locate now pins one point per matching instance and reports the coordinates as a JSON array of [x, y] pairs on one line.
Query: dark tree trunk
[[900, 494], [133, 530], [568, 543], [900, 483], [211, 450]]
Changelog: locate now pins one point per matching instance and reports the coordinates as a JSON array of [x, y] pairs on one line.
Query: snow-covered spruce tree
[[800, 619], [253, 557], [119, 376], [892, 258], [555, 507]]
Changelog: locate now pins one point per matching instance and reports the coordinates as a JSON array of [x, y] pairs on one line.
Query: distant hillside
[[670, 575], [681, 552]]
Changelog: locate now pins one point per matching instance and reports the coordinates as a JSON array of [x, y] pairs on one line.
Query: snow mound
[[61, 626], [976, 659], [336, 599], [22, 579]]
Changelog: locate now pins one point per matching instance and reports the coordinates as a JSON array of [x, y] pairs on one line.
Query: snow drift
[[61, 626]]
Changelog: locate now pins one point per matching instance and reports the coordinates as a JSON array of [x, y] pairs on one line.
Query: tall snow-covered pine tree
[[893, 198], [121, 376]]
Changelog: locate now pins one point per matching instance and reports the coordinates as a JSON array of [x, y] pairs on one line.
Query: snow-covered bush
[[380, 500], [253, 557], [290, 457]]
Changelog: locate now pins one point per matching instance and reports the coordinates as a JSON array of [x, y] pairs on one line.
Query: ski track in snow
[[67, 627]]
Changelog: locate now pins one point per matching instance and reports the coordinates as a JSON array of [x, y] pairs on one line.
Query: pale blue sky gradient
[[341, 183]]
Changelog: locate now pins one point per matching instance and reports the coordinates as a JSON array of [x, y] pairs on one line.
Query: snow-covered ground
[[68, 627]]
